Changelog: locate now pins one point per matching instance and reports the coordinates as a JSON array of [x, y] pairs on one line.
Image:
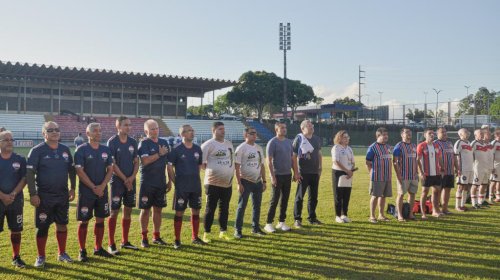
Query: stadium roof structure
[[42, 71]]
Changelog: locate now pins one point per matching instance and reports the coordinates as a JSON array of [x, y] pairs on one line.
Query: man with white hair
[[94, 167], [482, 169], [12, 182], [154, 186], [49, 167], [307, 153], [464, 165]]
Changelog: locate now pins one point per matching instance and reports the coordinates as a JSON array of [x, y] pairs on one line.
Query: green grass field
[[459, 246]]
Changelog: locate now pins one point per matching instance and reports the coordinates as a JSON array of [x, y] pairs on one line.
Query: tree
[[348, 101], [299, 94], [478, 102], [495, 108], [417, 115], [256, 89], [204, 110]]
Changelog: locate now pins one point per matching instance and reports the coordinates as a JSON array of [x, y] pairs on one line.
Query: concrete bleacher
[[203, 128], [72, 125], [23, 126]]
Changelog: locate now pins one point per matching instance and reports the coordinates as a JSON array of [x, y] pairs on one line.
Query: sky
[[406, 47]]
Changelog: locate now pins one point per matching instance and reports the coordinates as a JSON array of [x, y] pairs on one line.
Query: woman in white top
[[342, 171]]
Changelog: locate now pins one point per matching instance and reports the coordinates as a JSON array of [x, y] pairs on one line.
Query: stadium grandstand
[[31, 94]]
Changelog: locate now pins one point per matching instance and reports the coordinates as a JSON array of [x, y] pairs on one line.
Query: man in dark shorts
[[154, 187], [186, 158], [126, 164], [449, 167], [430, 170], [49, 166], [12, 182], [94, 167]]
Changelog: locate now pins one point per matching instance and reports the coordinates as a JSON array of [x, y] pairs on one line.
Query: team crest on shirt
[[251, 156], [16, 165], [116, 199], [220, 153], [131, 149], [196, 155], [180, 201], [65, 156], [84, 211], [42, 217], [144, 199], [104, 156]]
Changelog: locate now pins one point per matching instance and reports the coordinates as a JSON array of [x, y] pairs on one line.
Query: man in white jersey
[[489, 159], [495, 177], [481, 167], [217, 154], [465, 160], [251, 177]]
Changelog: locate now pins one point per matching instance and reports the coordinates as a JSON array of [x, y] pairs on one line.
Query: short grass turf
[[459, 246]]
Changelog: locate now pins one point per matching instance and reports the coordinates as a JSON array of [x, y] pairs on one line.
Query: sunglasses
[[252, 133], [50, 130]]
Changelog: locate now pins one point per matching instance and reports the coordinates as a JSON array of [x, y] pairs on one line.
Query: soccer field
[[459, 246]]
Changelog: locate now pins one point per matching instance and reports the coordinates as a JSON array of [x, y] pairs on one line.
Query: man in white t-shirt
[[250, 174], [465, 160], [219, 170]]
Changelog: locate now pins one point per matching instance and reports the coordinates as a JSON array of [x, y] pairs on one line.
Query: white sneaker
[[345, 219], [283, 226], [269, 228], [297, 224], [339, 220]]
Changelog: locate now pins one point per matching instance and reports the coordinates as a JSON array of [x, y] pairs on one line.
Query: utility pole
[[380, 93], [361, 75], [437, 102], [285, 45]]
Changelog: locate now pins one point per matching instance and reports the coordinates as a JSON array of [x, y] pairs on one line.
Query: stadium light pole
[[285, 45], [380, 93], [437, 104], [467, 96]]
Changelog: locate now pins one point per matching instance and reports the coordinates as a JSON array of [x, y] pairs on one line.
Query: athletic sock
[[61, 237], [195, 225], [458, 202], [177, 227], [111, 230], [15, 239], [41, 241], [156, 235], [125, 229], [82, 235], [99, 234]]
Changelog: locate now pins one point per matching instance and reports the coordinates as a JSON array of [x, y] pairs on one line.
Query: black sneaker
[[102, 253], [83, 256], [485, 204], [476, 206], [177, 244], [112, 250], [159, 241], [198, 241], [238, 234], [18, 262], [315, 222], [128, 245], [258, 231]]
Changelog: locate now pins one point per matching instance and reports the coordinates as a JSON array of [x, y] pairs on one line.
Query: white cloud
[[329, 94]]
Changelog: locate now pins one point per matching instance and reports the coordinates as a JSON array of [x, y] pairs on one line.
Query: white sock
[[481, 199], [458, 202], [464, 198], [473, 199], [497, 194]]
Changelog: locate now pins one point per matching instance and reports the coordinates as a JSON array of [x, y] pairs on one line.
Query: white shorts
[[481, 177], [466, 178], [496, 177]]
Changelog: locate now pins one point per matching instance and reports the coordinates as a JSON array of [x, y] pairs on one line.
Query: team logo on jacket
[[84, 211], [197, 156], [65, 156], [131, 149], [16, 165], [42, 217], [104, 156]]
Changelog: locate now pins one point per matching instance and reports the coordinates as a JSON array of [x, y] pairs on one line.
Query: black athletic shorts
[[432, 181], [448, 181], [14, 214], [92, 205], [183, 199], [120, 193], [52, 209], [150, 196]]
